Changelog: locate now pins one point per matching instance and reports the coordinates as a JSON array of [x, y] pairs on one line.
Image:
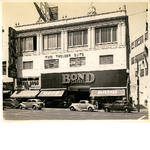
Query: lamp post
[[138, 100]]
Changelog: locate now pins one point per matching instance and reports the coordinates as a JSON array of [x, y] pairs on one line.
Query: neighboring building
[[7, 82], [139, 67], [76, 58]]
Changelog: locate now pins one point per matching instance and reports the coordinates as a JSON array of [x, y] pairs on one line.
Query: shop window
[[53, 63], [77, 62], [106, 59], [28, 44], [52, 41], [4, 67], [107, 34], [132, 60], [77, 38], [141, 72], [28, 65]]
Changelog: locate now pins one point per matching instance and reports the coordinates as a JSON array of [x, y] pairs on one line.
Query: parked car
[[83, 104], [119, 105], [32, 103], [10, 102]]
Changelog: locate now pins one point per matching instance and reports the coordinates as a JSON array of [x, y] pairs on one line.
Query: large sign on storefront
[[12, 68], [78, 78]]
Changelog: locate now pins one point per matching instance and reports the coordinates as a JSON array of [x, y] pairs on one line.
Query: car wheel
[[12, 107], [20, 107], [107, 110], [126, 110], [72, 108], [34, 107], [90, 109], [39, 108]]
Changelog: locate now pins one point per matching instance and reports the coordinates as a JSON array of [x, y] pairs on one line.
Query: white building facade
[[82, 57]]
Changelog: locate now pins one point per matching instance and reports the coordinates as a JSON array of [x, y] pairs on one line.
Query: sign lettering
[[78, 78]]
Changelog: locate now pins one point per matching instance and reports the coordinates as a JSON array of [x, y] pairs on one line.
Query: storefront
[[103, 86]]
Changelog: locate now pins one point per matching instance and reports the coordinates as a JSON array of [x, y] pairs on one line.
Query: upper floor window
[[106, 59], [28, 44], [77, 38], [141, 72], [146, 36], [146, 71], [28, 65], [107, 34], [139, 41], [52, 63], [52, 41], [132, 45], [77, 62], [132, 60], [4, 67]]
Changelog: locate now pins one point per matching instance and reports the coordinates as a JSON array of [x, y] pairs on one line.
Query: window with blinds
[[28, 65], [77, 38], [107, 34], [107, 59], [77, 62], [52, 41], [28, 44], [52, 63], [4, 67]]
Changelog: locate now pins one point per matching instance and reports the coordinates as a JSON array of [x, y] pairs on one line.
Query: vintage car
[[83, 104], [32, 103], [11, 103], [119, 105]]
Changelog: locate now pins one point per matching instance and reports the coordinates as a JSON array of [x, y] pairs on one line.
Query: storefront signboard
[[78, 78], [113, 92]]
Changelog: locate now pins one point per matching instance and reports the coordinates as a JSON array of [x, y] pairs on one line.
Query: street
[[66, 114]]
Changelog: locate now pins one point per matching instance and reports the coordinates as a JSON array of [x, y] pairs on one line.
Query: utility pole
[[138, 100]]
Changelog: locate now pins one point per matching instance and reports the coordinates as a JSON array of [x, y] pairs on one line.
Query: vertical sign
[[12, 68]]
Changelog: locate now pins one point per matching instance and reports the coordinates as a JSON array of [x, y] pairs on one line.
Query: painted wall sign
[[64, 55], [78, 78]]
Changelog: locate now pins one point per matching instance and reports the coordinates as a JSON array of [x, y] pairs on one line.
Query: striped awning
[[51, 93], [25, 94]]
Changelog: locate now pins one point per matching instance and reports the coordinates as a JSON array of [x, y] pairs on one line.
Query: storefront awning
[[107, 92], [25, 94], [46, 93]]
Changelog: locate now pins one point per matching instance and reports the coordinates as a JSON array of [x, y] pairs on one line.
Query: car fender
[[127, 107], [36, 105], [91, 107], [21, 104]]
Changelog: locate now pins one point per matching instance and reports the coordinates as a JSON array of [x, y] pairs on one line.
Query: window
[[52, 41], [77, 38], [146, 36], [107, 34], [53, 63], [4, 67], [141, 72], [132, 45], [107, 59], [28, 65], [77, 62], [28, 44], [139, 41], [146, 71], [132, 60]]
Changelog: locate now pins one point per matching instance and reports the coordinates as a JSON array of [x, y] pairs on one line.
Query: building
[[6, 81], [139, 68], [71, 59]]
